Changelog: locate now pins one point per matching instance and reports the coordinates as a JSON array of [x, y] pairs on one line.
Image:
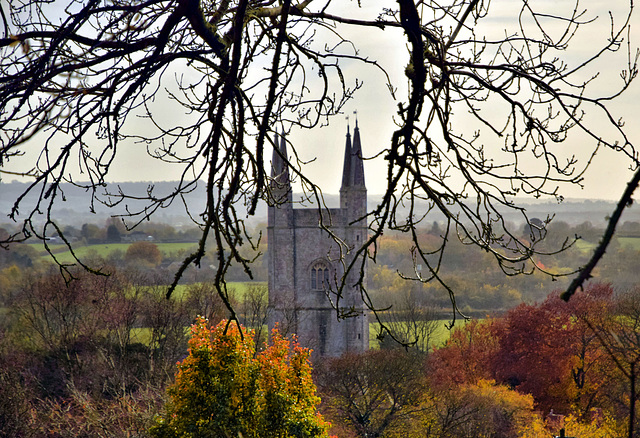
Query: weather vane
[[347, 119]]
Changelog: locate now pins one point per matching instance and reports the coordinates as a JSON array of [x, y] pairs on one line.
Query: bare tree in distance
[[411, 321], [485, 117], [254, 313]]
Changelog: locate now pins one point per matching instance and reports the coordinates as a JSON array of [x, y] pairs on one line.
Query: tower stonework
[[304, 259]]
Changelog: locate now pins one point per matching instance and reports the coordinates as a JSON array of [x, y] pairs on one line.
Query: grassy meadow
[[63, 254], [632, 242], [237, 288], [439, 337]]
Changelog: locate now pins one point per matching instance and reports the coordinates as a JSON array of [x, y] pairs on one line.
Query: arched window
[[319, 276]]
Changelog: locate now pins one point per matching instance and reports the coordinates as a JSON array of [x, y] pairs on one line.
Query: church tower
[[304, 260], [353, 192], [281, 241]]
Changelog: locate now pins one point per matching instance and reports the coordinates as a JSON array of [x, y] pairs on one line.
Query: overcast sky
[[606, 179], [376, 107]]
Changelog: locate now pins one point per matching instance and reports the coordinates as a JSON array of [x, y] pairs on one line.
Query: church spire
[[357, 166], [346, 168], [353, 168], [279, 167]]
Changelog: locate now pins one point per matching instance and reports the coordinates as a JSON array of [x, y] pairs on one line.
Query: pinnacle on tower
[[346, 169], [357, 166], [280, 170], [279, 167], [353, 169]]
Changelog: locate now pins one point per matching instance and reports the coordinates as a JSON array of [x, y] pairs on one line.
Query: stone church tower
[[304, 260]]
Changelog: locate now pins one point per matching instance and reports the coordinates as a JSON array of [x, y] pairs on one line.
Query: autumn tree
[[547, 351], [52, 320], [536, 353], [483, 112], [144, 252], [203, 300], [222, 389], [113, 234], [91, 233], [591, 369], [617, 328], [83, 337], [254, 311], [14, 407], [467, 356], [164, 322], [482, 409], [372, 393], [22, 256]]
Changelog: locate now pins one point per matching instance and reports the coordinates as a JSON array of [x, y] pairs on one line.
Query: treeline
[[114, 231], [537, 370], [481, 286], [91, 355], [159, 260], [94, 357], [479, 283]]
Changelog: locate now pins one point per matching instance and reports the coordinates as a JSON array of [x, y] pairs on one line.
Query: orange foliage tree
[[223, 388], [467, 356], [483, 409], [536, 353], [545, 350], [548, 351]]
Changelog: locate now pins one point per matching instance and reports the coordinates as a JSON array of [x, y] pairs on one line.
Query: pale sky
[[376, 108], [605, 180]]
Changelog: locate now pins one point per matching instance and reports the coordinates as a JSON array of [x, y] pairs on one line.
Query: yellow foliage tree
[[223, 388]]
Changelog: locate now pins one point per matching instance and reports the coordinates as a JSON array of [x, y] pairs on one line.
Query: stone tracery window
[[319, 276]]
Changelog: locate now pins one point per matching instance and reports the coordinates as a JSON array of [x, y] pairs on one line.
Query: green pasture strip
[[584, 246], [180, 291], [439, 337], [241, 287], [632, 242], [104, 249], [55, 248], [238, 288], [173, 247], [177, 293]]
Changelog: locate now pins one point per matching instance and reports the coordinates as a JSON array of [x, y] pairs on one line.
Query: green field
[[143, 335], [63, 254], [237, 288], [632, 242], [585, 246], [440, 336]]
